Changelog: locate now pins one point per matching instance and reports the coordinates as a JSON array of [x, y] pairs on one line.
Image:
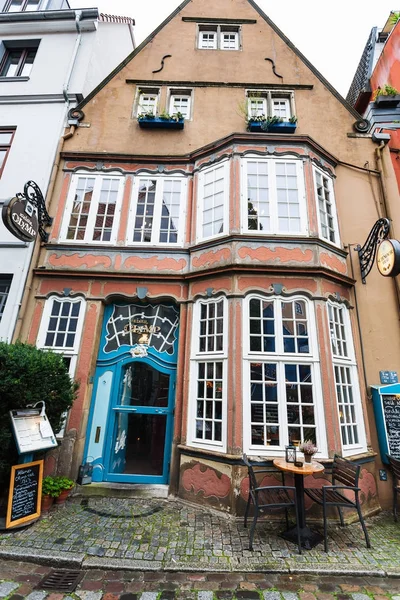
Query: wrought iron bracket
[[33, 194], [367, 253]]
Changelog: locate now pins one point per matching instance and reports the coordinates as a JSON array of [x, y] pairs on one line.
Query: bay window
[[281, 375], [273, 196], [207, 420], [346, 381], [158, 210], [213, 197], [93, 207]]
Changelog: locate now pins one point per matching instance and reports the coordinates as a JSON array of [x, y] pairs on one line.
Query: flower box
[[386, 100], [261, 127], [159, 123]]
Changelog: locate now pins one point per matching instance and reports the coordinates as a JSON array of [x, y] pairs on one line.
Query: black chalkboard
[[391, 409], [25, 493]]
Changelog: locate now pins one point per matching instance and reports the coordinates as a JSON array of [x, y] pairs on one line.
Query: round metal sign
[[19, 216], [388, 258]]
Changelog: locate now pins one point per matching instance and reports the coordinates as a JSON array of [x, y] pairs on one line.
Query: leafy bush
[[29, 375]]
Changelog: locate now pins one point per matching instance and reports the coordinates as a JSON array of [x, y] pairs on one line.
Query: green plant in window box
[[386, 90], [146, 115], [293, 119]]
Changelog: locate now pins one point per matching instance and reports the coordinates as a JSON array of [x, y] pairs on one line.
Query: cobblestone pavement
[[139, 534], [23, 580]]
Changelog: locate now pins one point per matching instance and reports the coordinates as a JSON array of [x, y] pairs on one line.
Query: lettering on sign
[[25, 493], [19, 216], [388, 258], [391, 409]]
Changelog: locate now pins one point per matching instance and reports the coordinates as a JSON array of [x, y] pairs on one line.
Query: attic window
[[270, 103], [219, 37], [147, 101]]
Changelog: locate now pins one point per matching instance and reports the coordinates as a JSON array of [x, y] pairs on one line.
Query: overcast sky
[[331, 35]]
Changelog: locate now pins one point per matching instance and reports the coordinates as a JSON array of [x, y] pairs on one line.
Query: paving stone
[[36, 596], [6, 588], [358, 596], [149, 596], [205, 595], [224, 594], [128, 596], [87, 595], [247, 594], [268, 595], [289, 596], [247, 585], [167, 595]]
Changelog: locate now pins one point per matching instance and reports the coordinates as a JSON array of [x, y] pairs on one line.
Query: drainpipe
[[380, 166], [78, 41]]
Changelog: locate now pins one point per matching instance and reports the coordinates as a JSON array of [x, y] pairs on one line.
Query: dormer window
[[22, 5], [219, 37]]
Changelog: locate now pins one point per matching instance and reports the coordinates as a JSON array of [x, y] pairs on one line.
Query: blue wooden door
[[139, 435]]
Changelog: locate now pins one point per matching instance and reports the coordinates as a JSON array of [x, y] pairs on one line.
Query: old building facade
[[200, 277]]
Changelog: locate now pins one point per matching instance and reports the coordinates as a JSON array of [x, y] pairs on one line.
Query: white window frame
[[225, 164], [91, 220], [218, 31], [151, 92], [281, 358], [348, 361], [6, 280], [286, 102], [323, 174], [68, 352], [155, 230], [268, 97], [273, 200], [184, 93], [207, 357]]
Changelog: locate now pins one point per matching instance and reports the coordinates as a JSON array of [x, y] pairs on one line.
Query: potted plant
[[50, 490], [163, 121], [387, 96], [65, 486], [308, 448]]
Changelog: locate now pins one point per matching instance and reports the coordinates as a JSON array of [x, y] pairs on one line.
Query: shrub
[[29, 375]]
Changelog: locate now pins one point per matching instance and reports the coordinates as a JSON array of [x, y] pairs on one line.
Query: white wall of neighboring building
[[37, 108]]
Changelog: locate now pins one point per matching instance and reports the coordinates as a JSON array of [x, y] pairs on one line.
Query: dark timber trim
[[221, 21], [260, 86]]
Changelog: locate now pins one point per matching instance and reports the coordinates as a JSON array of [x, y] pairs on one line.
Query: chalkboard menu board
[[391, 410], [25, 493]]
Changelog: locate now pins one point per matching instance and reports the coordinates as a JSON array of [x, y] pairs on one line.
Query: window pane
[[62, 325], [209, 412], [258, 208], [264, 404], [80, 208], [213, 202], [5, 284]]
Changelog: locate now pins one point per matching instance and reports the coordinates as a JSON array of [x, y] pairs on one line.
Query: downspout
[[78, 41], [386, 207], [36, 250]]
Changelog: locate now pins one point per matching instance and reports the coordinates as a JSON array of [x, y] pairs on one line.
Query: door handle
[[97, 436]]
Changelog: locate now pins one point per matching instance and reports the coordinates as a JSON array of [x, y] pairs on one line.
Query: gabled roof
[[262, 14]]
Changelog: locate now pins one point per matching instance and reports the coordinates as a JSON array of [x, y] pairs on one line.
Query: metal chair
[[347, 473], [395, 468], [267, 497]]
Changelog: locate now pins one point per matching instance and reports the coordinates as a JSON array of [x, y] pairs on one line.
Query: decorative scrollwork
[[162, 63], [367, 253], [273, 68], [33, 194]]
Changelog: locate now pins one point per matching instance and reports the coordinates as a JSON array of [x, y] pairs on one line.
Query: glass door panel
[[143, 386]]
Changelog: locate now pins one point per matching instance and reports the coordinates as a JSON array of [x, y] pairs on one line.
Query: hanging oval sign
[[19, 216], [388, 258]]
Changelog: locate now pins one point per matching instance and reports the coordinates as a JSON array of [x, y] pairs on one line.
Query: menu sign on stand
[[25, 493], [386, 400]]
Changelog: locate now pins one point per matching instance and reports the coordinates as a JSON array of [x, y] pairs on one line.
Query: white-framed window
[[270, 103], [61, 328], [93, 207], [147, 101], [273, 196], [21, 5], [180, 100], [213, 201], [326, 209], [219, 37], [348, 398], [281, 375], [5, 284], [158, 210], [208, 374]]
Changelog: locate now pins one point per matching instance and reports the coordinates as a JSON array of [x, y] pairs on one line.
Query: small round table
[[308, 538]]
